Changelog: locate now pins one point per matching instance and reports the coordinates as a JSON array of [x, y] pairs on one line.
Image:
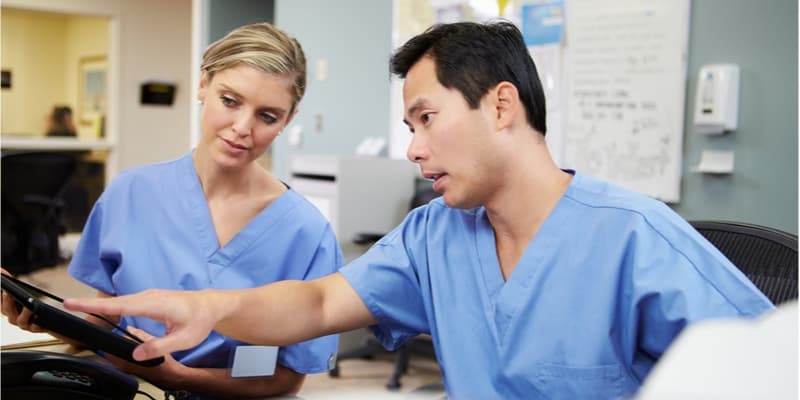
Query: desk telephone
[[34, 375]]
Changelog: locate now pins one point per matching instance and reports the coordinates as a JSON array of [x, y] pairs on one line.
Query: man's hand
[[189, 316]]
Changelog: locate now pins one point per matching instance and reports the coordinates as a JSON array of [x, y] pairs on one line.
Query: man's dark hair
[[473, 58]]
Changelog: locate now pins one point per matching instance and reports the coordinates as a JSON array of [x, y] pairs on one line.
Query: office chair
[[421, 344], [767, 256], [32, 185]]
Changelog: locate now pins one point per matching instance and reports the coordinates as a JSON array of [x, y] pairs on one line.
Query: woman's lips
[[233, 147]]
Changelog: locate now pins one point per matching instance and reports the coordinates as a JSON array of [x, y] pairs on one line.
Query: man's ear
[[506, 104]]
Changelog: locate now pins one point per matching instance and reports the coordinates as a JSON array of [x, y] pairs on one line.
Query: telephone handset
[[34, 375]]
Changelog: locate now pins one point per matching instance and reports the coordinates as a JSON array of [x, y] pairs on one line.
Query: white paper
[[625, 73], [715, 162], [12, 335]]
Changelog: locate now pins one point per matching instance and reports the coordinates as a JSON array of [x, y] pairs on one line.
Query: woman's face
[[244, 109]]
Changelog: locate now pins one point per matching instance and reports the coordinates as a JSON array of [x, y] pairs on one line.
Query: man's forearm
[[289, 312], [278, 314]]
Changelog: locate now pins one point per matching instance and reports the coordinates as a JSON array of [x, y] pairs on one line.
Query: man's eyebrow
[[415, 106]]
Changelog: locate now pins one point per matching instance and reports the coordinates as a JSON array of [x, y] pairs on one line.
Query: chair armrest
[[42, 200]]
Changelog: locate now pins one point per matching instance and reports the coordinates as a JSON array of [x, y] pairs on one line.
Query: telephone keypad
[[55, 377]]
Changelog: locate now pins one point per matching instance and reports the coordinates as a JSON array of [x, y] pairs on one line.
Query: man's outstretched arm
[[278, 314]]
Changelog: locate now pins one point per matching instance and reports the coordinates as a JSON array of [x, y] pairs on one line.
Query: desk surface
[[14, 338]]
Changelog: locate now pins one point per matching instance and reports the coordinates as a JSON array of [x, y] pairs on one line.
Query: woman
[[59, 123], [215, 219]]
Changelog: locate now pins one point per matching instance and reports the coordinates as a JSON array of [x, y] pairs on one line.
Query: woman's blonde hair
[[263, 47]]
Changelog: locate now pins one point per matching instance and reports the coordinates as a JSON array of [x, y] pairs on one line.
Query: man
[[533, 282]]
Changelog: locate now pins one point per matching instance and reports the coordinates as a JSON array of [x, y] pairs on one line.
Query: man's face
[[451, 142]]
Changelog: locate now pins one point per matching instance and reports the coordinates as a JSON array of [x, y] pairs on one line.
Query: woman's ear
[[201, 90]]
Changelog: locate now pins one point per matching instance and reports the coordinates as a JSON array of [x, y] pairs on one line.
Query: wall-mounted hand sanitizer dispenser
[[716, 107]]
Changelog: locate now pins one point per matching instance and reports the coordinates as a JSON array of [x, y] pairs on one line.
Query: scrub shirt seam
[[320, 239], [671, 245]]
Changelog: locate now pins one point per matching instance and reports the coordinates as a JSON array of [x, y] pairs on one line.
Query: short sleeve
[[91, 263], [386, 278]]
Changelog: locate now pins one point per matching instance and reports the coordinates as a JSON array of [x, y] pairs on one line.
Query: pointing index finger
[[123, 305]]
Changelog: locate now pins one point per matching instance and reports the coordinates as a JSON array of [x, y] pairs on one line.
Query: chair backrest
[[34, 173], [32, 186], [767, 256]]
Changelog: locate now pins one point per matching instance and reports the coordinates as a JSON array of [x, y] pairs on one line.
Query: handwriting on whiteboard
[[625, 92]]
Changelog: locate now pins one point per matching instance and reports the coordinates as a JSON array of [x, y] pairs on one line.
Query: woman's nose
[[243, 125]]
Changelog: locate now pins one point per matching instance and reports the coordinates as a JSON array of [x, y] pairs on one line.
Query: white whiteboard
[[625, 91]]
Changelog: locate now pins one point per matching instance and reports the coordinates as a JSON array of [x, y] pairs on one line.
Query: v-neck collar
[[504, 295], [200, 214], [487, 248]]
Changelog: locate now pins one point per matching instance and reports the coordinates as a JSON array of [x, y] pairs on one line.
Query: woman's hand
[[167, 375], [16, 314]]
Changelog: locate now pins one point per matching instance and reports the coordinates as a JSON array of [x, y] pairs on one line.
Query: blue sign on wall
[[542, 24]]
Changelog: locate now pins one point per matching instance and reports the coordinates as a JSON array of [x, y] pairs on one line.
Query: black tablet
[[49, 313]]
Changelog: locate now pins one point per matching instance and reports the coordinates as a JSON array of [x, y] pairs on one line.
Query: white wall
[[156, 41], [148, 40]]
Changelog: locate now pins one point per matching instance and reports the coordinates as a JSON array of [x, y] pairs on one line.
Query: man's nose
[[416, 149]]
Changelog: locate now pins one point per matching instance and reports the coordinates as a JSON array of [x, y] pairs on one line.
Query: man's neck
[[522, 205]]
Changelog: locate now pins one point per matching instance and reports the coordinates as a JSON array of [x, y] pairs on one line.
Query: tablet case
[[73, 327]]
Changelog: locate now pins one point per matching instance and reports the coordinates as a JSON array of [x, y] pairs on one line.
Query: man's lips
[[436, 178], [432, 175]]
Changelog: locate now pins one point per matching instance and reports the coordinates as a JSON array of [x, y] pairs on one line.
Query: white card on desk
[[254, 361]]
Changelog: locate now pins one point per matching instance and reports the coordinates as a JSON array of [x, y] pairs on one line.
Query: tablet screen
[[57, 303], [49, 313]]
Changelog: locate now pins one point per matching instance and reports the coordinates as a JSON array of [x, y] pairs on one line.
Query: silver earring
[[200, 102]]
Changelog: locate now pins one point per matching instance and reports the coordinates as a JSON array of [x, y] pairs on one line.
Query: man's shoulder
[[601, 193], [621, 204]]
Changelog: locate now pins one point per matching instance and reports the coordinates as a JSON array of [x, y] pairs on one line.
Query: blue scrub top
[[152, 228], [605, 286]]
